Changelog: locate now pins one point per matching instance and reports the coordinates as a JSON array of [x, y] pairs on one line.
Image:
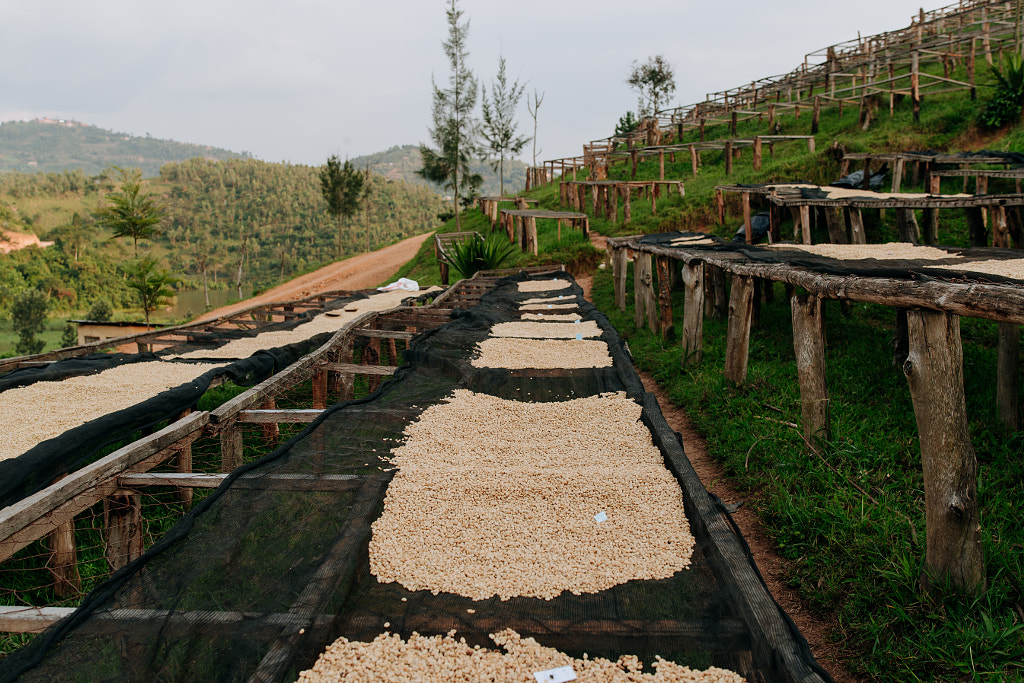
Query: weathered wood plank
[[273, 482], [281, 416]]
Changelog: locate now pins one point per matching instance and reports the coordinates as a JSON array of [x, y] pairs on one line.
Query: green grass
[[851, 555]]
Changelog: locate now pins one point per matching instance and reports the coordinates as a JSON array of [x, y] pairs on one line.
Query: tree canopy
[[130, 212], [342, 188], [453, 128], [499, 121], [152, 285], [655, 82]]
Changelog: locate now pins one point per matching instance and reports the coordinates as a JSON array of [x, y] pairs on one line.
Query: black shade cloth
[[256, 581]]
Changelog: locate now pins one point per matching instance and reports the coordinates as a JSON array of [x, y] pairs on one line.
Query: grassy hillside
[[50, 145]]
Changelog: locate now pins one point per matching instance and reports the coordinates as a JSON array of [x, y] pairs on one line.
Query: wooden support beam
[[644, 306], [619, 266], [231, 448], [857, 234], [319, 388], [934, 370], [836, 222], [716, 302], [664, 264], [122, 522], [747, 227], [728, 157], [383, 334], [661, 164], [693, 160], [737, 344], [720, 206], [757, 154], [251, 480], [906, 226], [1000, 228], [63, 564], [805, 224], [693, 314], [897, 174], [809, 347], [1008, 376], [283, 416]]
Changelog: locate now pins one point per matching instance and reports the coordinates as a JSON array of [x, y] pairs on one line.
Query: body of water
[[193, 300]]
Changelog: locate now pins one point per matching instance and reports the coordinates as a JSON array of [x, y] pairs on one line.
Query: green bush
[[1004, 106]]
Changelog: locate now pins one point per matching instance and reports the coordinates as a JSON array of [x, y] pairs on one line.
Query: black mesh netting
[[894, 268], [38, 467], [264, 573]]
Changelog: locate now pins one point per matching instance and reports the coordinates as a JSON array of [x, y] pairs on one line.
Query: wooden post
[[643, 292], [693, 314], [531, 235], [346, 380], [915, 85], [934, 370], [805, 224], [728, 157], [231, 448], [720, 206], [661, 164], [594, 189], [757, 154], [1008, 376], [906, 226], [771, 117], [702, 130], [632, 158], [716, 303], [748, 229], [693, 159], [627, 207], [816, 115], [809, 345], [612, 212], [897, 175], [1000, 230], [836, 223], [737, 343], [122, 519], [319, 389], [970, 69], [857, 226], [619, 266], [931, 216], [63, 564], [732, 124], [664, 265]]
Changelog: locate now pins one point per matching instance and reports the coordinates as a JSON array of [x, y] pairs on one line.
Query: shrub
[[1004, 106], [473, 255]]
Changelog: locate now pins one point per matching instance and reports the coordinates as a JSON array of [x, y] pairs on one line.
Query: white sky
[[299, 80]]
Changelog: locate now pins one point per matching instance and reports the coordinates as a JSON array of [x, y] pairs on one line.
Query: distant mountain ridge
[[54, 145], [402, 161]]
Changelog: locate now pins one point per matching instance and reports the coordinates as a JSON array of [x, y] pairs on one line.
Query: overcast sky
[[299, 80]]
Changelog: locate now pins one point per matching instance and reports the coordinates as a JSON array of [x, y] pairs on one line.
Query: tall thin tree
[[130, 212], [453, 128], [499, 121], [533, 108], [342, 187]]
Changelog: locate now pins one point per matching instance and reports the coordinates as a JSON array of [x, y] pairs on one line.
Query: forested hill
[[402, 162], [53, 145], [236, 221]]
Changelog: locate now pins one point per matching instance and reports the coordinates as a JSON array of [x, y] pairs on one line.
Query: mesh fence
[[266, 571]]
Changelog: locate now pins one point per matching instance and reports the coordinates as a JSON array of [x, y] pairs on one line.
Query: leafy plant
[[152, 285], [474, 255], [627, 124], [1004, 106], [129, 212], [28, 313]]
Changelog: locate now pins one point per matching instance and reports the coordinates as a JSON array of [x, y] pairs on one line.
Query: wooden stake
[[63, 564], [693, 159], [1000, 230], [661, 164], [816, 115], [716, 304], [857, 226], [897, 175], [122, 519], [728, 157], [643, 292], [231, 448], [320, 389], [619, 266], [757, 154], [693, 314], [720, 206], [737, 344], [805, 224], [809, 345], [745, 197], [666, 322], [1008, 376], [915, 85], [934, 369]]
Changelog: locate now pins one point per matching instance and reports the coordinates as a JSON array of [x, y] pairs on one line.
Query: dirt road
[[359, 272]]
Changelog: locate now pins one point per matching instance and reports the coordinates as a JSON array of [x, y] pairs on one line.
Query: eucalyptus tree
[[499, 121], [453, 128]]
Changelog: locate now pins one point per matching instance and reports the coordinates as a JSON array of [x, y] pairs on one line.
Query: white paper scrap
[[600, 517], [559, 675], [579, 337]]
